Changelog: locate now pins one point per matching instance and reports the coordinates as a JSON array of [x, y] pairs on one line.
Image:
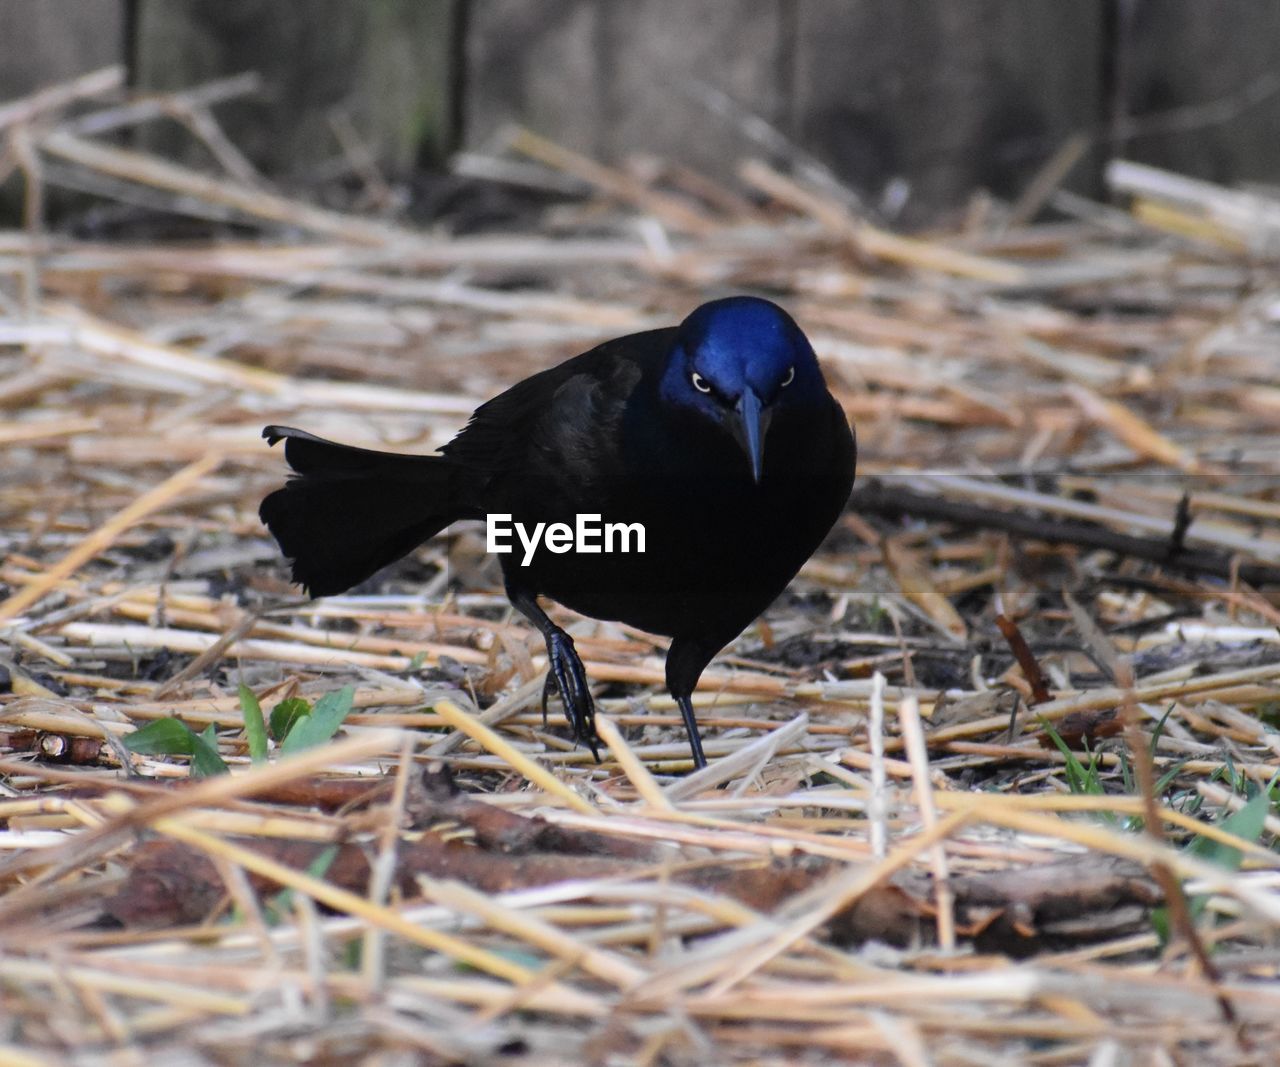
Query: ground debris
[[1066, 432], [495, 851]]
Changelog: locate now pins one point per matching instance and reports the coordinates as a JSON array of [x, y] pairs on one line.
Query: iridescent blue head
[[736, 362]]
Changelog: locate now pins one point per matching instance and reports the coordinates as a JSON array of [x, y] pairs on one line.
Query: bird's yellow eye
[[700, 383], [791, 377]]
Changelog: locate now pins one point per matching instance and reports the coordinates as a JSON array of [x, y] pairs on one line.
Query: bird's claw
[[566, 673]]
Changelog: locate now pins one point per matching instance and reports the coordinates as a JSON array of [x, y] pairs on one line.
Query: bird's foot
[[566, 673], [548, 687]]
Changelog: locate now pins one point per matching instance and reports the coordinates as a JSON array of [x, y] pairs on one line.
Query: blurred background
[[1036, 246], [914, 107]]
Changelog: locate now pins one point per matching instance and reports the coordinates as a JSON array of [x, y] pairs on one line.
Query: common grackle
[[718, 436]]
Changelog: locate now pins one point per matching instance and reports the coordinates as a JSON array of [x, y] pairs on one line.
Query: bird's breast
[[717, 547]]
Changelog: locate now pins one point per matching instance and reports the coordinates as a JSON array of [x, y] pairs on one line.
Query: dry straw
[[1033, 400]]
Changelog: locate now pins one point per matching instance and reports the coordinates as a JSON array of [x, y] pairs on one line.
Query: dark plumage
[[719, 436]]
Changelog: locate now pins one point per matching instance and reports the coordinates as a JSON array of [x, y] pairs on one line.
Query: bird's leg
[[564, 671], [686, 659], [691, 725]]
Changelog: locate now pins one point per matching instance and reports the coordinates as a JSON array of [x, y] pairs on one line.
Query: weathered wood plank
[[42, 44], [608, 78], [947, 95], [950, 96], [666, 56], [1200, 85], [387, 63], [538, 66]]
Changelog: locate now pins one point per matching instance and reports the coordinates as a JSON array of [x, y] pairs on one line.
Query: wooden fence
[[916, 100]]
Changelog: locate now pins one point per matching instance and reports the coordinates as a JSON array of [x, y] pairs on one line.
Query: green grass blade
[[323, 722], [164, 737], [172, 737], [205, 761], [1246, 824], [255, 728], [280, 904], [285, 715]]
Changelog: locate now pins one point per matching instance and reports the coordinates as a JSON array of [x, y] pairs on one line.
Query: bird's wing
[[553, 422], [577, 441]]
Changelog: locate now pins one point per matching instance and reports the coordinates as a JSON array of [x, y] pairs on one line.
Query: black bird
[[719, 436]]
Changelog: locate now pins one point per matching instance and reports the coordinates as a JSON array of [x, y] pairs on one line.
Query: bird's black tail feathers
[[347, 512]]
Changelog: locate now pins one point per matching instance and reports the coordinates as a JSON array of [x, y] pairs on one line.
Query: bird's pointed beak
[[749, 429]]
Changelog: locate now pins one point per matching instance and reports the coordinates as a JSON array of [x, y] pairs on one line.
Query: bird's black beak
[[749, 427]]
